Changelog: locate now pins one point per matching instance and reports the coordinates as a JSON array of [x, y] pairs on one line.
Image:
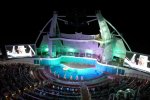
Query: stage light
[[71, 50], [46, 49]]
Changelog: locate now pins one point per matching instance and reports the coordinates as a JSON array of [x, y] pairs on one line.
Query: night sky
[[21, 21]]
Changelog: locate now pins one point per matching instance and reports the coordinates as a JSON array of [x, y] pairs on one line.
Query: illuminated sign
[[138, 61], [19, 51]]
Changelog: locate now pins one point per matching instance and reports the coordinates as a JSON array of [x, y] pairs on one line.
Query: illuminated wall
[[56, 46], [82, 46]]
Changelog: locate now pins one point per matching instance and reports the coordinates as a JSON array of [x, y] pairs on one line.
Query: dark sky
[[21, 21]]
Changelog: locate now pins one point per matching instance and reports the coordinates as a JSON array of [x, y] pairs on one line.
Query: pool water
[[75, 73], [58, 68]]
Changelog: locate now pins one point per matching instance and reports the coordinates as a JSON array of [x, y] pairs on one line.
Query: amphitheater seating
[[14, 78], [31, 82]]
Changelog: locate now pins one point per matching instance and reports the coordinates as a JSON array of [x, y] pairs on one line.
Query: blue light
[[56, 65]]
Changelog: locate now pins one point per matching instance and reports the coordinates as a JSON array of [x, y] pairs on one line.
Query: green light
[[71, 50], [43, 49], [46, 49]]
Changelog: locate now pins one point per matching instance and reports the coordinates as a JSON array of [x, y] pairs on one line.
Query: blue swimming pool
[[75, 73], [58, 68]]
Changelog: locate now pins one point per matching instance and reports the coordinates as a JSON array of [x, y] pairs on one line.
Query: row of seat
[[32, 82]]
